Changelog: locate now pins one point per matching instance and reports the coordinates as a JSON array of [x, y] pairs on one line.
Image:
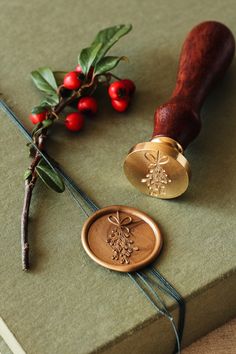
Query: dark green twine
[[150, 281]]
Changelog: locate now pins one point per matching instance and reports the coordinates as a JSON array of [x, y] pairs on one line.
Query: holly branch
[[62, 91]]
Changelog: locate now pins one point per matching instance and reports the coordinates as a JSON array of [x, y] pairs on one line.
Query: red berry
[[80, 73], [71, 81], [120, 105], [118, 90], [74, 121], [129, 85], [88, 105], [38, 117], [78, 69]]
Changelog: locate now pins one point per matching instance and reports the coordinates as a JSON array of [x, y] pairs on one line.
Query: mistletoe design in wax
[[71, 93], [120, 238], [156, 179]]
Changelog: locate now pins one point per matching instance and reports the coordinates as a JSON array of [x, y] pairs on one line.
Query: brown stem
[[63, 103], [29, 186], [115, 76], [24, 226], [30, 182]]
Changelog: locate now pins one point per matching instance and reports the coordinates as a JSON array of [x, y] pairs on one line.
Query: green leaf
[[50, 101], [36, 128], [44, 80], [88, 56], [107, 64], [44, 105], [50, 177], [39, 109], [27, 174], [43, 125], [47, 123], [47, 74], [108, 37]]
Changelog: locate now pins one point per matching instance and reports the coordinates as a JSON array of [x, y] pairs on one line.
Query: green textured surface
[[67, 304], [4, 349]]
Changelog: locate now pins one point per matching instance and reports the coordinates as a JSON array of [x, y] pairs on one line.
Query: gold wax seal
[[121, 238], [158, 168]]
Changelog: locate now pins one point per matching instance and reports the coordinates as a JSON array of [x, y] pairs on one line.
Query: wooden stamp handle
[[206, 54]]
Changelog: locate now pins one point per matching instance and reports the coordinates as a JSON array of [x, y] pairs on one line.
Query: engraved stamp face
[[156, 179]]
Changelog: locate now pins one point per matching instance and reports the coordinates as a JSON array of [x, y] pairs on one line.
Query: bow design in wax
[[120, 240]]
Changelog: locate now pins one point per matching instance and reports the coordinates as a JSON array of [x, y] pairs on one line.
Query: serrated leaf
[[107, 63], [44, 80], [88, 56], [27, 174], [108, 37], [50, 177]]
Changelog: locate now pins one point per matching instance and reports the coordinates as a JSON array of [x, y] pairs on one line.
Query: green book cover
[[67, 303]]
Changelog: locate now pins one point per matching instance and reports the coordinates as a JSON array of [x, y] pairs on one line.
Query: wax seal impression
[[121, 238]]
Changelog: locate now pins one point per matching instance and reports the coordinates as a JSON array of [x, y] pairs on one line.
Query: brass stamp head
[[158, 168]]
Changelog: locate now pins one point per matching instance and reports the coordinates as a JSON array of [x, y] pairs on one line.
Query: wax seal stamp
[[121, 238], [159, 167]]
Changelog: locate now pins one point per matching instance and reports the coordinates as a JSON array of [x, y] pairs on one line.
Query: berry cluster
[[71, 95], [86, 105], [120, 92]]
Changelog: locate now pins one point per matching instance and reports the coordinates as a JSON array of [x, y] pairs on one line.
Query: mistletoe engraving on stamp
[[156, 179], [120, 238]]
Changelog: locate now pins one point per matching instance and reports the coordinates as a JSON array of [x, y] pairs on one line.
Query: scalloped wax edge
[[9, 339]]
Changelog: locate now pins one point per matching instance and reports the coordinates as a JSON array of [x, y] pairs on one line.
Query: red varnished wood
[[206, 54]]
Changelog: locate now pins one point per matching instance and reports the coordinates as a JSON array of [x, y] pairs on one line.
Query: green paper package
[[67, 303]]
